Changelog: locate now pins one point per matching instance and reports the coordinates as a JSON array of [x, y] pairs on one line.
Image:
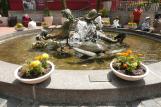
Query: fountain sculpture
[[83, 35]]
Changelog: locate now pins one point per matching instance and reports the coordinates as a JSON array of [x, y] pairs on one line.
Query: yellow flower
[[45, 56], [35, 63], [140, 55], [38, 58], [135, 64], [131, 58]]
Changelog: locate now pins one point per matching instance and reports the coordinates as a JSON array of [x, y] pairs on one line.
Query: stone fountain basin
[[80, 87]]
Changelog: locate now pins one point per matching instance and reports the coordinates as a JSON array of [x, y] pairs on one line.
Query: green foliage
[[4, 5], [155, 1], [104, 12], [36, 67], [128, 61], [35, 71], [47, 12]]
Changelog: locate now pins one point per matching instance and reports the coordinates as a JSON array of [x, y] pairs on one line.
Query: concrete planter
[[106, 21], [35, 80], [128, 77], [4, 21], [48, 20]]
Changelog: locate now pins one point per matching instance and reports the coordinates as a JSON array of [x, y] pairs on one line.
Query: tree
[[98, 5], [4, 5], [155, 1], [64, 5]]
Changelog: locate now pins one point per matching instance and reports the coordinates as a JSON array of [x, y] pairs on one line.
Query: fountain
[[80, 44]]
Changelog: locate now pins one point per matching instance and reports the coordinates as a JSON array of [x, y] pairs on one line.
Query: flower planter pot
[[132, 27], [4, 21], [35, 80], [48, 20], [128, 77]]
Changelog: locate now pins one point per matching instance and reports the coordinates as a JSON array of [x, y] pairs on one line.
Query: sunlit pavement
[[6, 30]]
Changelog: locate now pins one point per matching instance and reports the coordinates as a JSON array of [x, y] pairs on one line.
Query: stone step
[[12, 102], [2, 102]]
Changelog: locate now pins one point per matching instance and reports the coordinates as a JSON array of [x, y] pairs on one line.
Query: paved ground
[[6, 30], [10, 102]]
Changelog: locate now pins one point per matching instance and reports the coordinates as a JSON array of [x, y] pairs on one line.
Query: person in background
[[25, 20], [116, 23], [32, 24], [1, 20], [146, 24], [157, 24], [137, 14]]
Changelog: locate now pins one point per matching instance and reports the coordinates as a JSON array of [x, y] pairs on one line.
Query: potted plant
[[35, 71], [129, 66], [105, 19], [19, 27], [132, 25], [48, 19]]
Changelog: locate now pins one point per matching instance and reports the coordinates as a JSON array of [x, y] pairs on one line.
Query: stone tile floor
[[11, 102]]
